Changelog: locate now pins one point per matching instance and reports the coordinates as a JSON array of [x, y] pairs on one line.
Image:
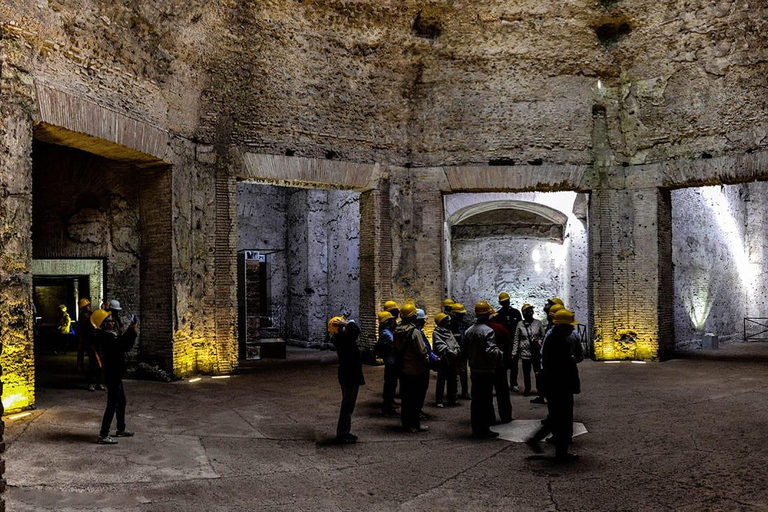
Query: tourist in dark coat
[[561, 382], [113, 348], [384, 347], [413, 359], [484, 358], [344, 336], [509, 317], [500, 383]]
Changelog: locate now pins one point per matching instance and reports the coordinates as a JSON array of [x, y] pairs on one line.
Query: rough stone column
[[417, 238], [17, 105], [630, 237], [375, 260], [307, 248]]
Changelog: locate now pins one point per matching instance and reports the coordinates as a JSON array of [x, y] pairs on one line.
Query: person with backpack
[[413, 358]]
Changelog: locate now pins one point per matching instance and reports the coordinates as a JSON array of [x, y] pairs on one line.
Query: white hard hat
[[115, 305]]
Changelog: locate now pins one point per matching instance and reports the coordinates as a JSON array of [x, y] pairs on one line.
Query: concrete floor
[[679, 435]]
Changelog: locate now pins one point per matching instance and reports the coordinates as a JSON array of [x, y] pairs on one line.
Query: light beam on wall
[[733, 233]]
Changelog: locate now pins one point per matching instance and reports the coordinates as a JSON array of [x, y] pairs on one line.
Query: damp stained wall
[[719, 238], [530, 262], [87, 207]]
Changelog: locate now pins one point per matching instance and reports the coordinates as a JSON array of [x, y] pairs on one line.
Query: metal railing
[[758, 329]]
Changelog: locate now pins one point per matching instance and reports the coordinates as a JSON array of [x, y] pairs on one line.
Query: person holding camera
[[113, 346], [344, 335]]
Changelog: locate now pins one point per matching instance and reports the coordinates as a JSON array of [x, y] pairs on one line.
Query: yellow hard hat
[[83, 303], [526, 306], [98, 317], [457, 307], [503, 296], [440, 317], [390, 305], [563, 316], [62, 307], [384, 316], [447, 302], [408, 311], [484, 308], [558, 300], [554, 309], [335, 324]]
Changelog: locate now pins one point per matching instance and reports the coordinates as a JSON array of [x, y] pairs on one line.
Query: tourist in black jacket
[[344, 338], [561, 382], [113, 348]]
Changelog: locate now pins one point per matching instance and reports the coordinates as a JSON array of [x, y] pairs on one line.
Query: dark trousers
[[513, 372], [348, 400], [503, 402], [93, 374], [391, 373], [527, 365], [559, 422], [482, 402], [115, 405], [413, 391], [446, 374]]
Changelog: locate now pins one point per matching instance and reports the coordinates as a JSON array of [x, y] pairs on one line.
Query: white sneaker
[[515, 389], [106, 440]]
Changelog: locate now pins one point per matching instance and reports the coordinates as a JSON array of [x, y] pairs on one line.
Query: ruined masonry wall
[[317, 275], [718, 235], [88, 207]]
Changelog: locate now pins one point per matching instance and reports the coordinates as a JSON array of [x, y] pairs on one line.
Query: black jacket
[[561, 375], [112, 352], [350, 362], [509, 318]]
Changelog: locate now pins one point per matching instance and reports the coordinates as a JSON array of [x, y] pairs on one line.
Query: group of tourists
[[486, 353], [105, 339]]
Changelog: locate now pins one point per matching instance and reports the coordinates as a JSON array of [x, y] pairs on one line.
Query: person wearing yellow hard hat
[[413, 360], [447, 304], [64, 330], [528, 338], [484, 356], [384, 349], [392, 308], [113, 347], [86, 346], [447, 348], [509, 318], [344, 335], [561, 377], [458, 326], [554, 308]]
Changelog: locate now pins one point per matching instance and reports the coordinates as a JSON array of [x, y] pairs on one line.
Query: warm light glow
[[221, 376], [17, 416], [195, 379], [15, 401], [599, 84], [638, 362], [611, 362]]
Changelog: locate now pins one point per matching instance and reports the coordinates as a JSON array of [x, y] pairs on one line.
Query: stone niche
[[87, 208], [530, 245], [311, 239], [719, 243]]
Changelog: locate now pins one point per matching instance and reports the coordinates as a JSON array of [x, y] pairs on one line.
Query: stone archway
[[531, 245]]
